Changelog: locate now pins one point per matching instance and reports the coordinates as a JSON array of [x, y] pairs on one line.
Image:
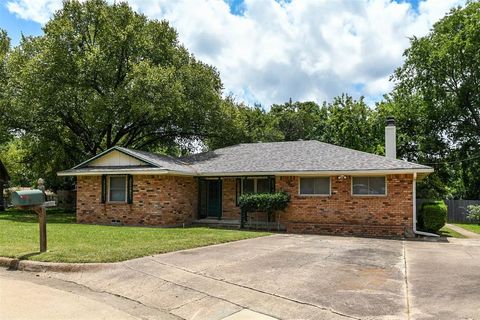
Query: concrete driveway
[[291, 277]]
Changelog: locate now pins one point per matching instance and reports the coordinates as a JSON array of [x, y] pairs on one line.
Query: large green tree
[[351, 123], [298, 120], [244, 124], [344, 121], [103, 75], [441, 77]]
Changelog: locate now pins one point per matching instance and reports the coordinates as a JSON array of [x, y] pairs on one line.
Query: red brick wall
[[230, 209], [342, 213], [168, 200], [157, 200]]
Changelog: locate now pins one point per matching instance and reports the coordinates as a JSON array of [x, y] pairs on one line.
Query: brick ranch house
[[334, 190]]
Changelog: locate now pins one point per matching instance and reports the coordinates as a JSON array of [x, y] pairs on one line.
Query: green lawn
[[469, 226], [447, 232], [71, 242]]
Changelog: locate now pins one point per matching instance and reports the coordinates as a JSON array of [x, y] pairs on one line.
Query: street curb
[[39, 266]]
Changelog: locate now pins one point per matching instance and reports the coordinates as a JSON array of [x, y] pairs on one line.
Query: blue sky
[[268, 51], [15, 26]]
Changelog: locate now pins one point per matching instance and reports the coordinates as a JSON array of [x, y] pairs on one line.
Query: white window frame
[[254, 182], [108, 188], [368, 195], [315, 194]]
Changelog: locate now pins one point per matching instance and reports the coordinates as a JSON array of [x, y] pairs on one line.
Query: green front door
[[210, 198], [214, 198]]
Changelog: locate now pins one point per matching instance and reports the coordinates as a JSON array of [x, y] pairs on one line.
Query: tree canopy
[[437, 92], [103, 75]]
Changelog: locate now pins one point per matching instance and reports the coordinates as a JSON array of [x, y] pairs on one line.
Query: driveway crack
[[182, 285], [407, 297], [246, 287], [184, 304]]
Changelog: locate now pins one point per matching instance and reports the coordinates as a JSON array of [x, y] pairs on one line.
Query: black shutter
[[130, 189], [103, 196], [220, 192], [272, 184], [238, 190]]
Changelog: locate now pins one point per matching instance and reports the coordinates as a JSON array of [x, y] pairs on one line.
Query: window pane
[[368, 185], [117, 183], [377, 185], [307, 186], [117, 188], [248, 186], [116, 195], [263, 186], [360, 185], [322, 185]]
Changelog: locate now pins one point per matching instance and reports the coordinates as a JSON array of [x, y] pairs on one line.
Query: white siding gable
[[115, 158]]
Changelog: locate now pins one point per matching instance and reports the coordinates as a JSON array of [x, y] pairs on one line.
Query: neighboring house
[[334, 190], [3, 180]]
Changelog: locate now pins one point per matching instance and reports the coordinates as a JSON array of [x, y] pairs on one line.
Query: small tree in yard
[[263, 202], [474, 213]]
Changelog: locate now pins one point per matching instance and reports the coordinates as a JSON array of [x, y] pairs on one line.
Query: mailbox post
[[35, 200], [42, 217], [42, 225]]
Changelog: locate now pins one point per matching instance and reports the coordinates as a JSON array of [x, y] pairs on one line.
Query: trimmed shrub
[[264, 202], [432, 216], [473, 213]]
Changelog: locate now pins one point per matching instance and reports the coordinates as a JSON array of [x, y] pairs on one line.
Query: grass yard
[[447, 232], [71, 242], [469, 226]]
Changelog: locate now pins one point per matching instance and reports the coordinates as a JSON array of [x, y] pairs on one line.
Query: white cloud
[[303, 49], [36, 10]]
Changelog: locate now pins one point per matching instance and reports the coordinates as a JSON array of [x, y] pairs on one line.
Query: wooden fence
[[457, 209]]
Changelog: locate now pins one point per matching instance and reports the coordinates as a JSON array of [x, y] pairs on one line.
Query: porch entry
[[210, 198]]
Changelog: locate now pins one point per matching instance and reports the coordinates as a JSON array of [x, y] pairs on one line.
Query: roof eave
[[71, 173], [319, 172]]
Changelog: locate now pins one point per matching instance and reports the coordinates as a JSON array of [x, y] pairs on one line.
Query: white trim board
[[250, 174]]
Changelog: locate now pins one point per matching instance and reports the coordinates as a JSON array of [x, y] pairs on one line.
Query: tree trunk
[[2, 204]]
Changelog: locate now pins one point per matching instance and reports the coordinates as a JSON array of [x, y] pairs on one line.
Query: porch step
[[235, 224], [264, 225], [215, 223]]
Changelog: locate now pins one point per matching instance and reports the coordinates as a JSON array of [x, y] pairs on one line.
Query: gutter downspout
[[414, 197]]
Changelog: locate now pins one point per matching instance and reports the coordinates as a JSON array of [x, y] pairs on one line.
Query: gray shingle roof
[[294, 156], [264, 158]]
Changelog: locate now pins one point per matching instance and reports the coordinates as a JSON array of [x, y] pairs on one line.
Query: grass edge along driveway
[[474, 227], [449, 233], [72, 242]]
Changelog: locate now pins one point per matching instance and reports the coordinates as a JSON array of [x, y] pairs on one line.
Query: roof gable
[[116, 158], [123, 159]]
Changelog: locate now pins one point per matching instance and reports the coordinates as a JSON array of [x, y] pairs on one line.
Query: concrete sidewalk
[[26, 296], [26, 300], [464, 232]]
